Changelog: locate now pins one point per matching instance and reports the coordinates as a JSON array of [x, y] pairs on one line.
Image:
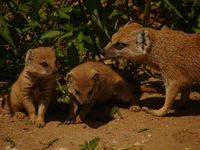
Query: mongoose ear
[[29, 57], [95, 76], [143, 42], [69, 78]]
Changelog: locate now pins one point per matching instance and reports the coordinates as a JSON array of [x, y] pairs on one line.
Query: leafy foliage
[[78, 29], [91, 145]]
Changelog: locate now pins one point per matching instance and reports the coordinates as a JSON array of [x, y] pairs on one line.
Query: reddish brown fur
[[104, 83], [176, 54], [36, 86]]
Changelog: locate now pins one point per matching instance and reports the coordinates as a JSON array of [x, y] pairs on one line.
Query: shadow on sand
[[101, 113]]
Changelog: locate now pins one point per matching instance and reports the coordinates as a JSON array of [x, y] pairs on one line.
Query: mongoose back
[[94, 82], [176, 54], [36, 85]]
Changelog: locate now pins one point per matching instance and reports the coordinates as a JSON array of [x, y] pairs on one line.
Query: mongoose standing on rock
[[36, 85], [176, 54], [93, 82]]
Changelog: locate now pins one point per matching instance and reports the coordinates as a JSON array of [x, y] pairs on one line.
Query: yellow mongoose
[[94, 82], [36, 85], [176, 54]]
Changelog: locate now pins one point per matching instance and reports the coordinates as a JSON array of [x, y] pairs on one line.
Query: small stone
[[138, 143], [144, 108], [149, 135]]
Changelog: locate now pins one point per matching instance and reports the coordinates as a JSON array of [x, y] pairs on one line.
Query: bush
[[78, 29]]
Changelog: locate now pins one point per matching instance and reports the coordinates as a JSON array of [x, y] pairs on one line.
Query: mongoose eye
[[119, 45], [44, 64], [77, 92]]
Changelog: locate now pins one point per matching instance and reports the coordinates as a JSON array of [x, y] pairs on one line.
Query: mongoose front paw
[[40, 124], [20, 115], [32, 119], [135, 108], [78, 120], [70, 120]]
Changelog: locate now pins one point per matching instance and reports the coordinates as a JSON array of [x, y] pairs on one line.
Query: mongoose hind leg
[[185, 94], [172, 88], [17, 109]]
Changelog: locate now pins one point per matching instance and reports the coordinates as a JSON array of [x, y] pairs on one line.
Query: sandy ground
[[136, 131]]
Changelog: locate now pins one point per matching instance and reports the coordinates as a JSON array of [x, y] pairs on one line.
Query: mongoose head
[[41, 61], [83, 85], [130, 42]]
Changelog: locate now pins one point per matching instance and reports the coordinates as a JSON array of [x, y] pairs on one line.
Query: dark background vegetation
[[78, 29]]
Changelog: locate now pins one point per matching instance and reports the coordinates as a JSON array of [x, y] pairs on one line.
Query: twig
[[3, 83], [50, 143], [142, 130]]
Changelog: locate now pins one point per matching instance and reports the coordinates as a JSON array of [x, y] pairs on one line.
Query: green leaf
[[72, 55], [91, 4], [91, 145], [59, 53], [66, 35], [155, 5], [5, 32], [78, 42], [125, 17], [25, 7], [68, 27], [50, 34], [97, 42], [80, 37], [63, 15], [197, 30], [64, 98], [115, 110], [173, 8], [96, 19], [114, 13], [18, 31], [42, 14], [106, 32], [198, 21], [94, 142], [50, 2], [67, 9], [64, 12], [88, 39], [116, 24], [30, 25], [37, 4]]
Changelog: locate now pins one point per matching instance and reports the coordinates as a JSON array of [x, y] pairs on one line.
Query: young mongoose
[[36, 85], [176, 54], [94, 82]]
